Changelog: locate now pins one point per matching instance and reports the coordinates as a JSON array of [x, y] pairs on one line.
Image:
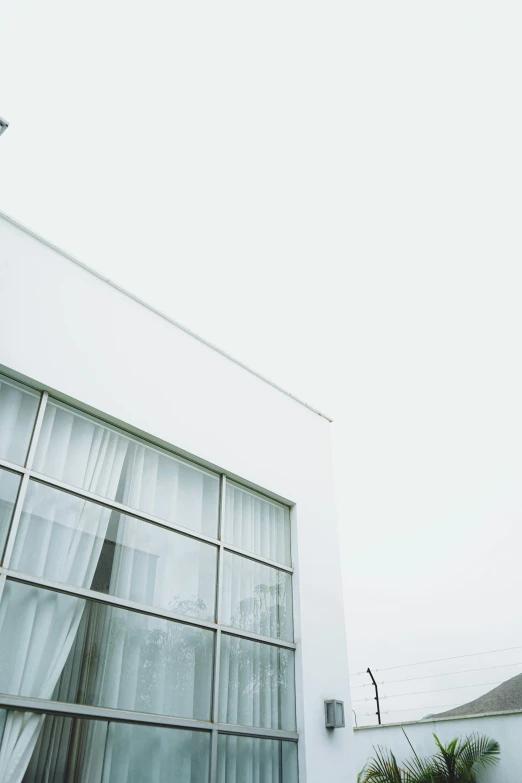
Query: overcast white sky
[[331, 192]]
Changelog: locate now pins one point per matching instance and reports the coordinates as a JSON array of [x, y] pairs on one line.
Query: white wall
[[71, 332], [506, 728]]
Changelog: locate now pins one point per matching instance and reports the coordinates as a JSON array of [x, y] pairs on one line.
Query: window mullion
[[36, 431], [217, 648]]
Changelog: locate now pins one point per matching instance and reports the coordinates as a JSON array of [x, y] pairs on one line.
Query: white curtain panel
[[256, 684], [149, 480], [253, 760], [257, 525], [161, 755]]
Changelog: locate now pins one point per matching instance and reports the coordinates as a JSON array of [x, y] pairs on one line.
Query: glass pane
[[67, 749], [256, 684], [9, 484], [147, 753], [256, 597], [61, 647], [254, 760], [257, 525], [94, 751], [80, 451], [289, 754], [64, 538], [18, 408]]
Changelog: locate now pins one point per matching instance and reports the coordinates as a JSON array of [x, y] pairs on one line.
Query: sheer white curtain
[[256, 684], [257, 525], [150, 480], [17, 416], [159, 755], [253, 760], [38, 628]]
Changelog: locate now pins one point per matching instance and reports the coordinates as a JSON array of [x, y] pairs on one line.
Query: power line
[[434, 690], [438, 660], [443, 674], [433, 707]]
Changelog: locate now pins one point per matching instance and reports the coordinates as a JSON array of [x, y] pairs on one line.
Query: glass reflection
[[256, 597]]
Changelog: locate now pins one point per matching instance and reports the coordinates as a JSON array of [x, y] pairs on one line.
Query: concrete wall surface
[[70, 332], [505, 727]]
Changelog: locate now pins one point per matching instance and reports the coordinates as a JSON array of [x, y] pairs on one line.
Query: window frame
[[50, 707]]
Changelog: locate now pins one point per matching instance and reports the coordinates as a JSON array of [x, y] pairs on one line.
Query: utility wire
[[433, 707], [443, 674], [434, 690], [438, 660]]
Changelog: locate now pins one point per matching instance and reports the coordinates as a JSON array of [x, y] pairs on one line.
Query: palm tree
[[460, 761]]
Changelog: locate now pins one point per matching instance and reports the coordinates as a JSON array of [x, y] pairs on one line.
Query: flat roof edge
[[153, 309]]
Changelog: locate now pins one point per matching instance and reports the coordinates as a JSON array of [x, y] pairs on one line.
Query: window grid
[[77, 710]]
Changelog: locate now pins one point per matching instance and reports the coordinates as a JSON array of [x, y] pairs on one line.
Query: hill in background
[[507, 696]]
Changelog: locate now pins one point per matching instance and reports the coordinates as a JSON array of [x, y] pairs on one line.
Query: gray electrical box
[[334, 714]]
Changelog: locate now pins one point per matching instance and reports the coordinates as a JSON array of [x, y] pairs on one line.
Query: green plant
[[460, 761]]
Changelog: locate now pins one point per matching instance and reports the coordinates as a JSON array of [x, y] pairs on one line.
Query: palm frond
[[445, 760], [479, 751], [420, 770], [458, 761], [383, 768]]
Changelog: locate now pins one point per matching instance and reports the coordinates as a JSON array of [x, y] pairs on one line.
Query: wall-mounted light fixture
[[334, 714], [3, 125]]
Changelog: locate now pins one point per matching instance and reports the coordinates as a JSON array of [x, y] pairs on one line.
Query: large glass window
[[145, 604]]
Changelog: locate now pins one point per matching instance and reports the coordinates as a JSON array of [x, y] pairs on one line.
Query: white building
[[171, 602]]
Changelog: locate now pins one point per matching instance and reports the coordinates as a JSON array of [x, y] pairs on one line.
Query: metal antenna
[[376, 695]]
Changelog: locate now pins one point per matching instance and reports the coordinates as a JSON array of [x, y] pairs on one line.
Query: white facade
[[506, 728], [66, 330]]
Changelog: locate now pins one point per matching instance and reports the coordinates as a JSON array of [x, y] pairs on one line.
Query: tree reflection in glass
[[257, 597]]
